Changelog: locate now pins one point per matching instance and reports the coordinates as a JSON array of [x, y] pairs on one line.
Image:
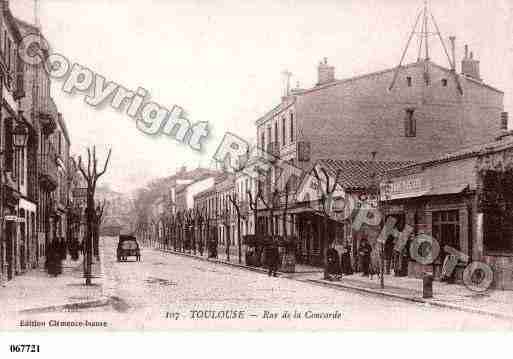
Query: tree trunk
[[238, 238]]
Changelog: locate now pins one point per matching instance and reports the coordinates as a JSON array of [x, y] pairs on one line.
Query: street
[[162, 290]]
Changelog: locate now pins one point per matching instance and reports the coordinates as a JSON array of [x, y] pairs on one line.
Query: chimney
[[453, 52], [326, 73], [470, 66]]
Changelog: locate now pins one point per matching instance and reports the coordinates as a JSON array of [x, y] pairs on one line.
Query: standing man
[[272, 258], [364, 251]]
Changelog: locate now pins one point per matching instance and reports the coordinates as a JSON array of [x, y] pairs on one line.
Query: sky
[[223, 61]]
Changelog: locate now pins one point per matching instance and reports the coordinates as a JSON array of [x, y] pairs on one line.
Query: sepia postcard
[[254, 166]]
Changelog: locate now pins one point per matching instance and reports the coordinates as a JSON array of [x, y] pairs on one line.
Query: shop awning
[[447, 189]]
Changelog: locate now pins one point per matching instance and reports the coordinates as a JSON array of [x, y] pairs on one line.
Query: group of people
[[395, 260], [57, 251]]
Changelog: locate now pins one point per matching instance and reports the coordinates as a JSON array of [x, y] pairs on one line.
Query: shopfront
[[464, 202]]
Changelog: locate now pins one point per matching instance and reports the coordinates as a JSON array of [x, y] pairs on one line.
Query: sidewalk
[[493, 302], [36, 291], [301, 269], [496, 303]]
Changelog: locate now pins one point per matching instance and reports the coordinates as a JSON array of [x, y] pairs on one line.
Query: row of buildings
[[35, 166], [426, 144]]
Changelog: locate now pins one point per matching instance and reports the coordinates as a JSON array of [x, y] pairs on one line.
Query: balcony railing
[[48, 174]]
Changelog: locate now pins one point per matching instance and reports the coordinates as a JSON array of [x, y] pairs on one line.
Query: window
[[291, 127], [22, 166], [446, 228], [269, 134], [283, 125], [5, 45], [276, 132], [504, 120], [408, 81], [262, 140], [444, 82], [410, 127]]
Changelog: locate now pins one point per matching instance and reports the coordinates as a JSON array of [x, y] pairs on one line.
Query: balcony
[[47, 122], [48, 174]]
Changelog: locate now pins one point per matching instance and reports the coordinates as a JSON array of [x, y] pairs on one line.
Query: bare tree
[[99, 211], [225, 217], [326, 200], [236, 205], [91, 176]]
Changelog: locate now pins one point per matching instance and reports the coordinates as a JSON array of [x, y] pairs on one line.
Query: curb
[[67, 307], [341, 287], [237, 265], [412, 299]]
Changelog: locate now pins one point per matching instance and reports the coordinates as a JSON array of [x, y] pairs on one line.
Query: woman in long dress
[[345, 259]]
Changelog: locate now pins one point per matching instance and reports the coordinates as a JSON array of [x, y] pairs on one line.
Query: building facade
[[33, 172], [463, 200]]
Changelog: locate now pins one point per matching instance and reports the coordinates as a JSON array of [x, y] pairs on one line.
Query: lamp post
[[381, 247]]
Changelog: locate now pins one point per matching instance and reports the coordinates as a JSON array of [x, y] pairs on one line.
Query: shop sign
[[13, 218], [405, 187]]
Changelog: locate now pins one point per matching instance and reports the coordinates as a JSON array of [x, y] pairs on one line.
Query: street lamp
[[20, 136]]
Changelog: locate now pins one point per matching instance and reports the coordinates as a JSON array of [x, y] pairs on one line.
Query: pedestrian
[[53, 259], [388, 253], [364, 252], [272, 258], [332, 269], [345, 259]]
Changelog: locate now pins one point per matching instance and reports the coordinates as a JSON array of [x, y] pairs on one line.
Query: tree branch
[[106, 164]]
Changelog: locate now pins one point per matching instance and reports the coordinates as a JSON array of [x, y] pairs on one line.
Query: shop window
[[446, 228]]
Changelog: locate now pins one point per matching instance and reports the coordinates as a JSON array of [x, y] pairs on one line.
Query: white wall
[[195, 188]]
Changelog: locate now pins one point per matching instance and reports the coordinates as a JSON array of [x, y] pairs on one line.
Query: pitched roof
[[501, 144], [356, 174], [376, 73]]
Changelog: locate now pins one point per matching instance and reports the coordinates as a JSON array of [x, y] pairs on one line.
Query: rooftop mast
[[423, 32]]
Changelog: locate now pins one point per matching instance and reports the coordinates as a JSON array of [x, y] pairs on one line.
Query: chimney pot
[[325, 72]]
